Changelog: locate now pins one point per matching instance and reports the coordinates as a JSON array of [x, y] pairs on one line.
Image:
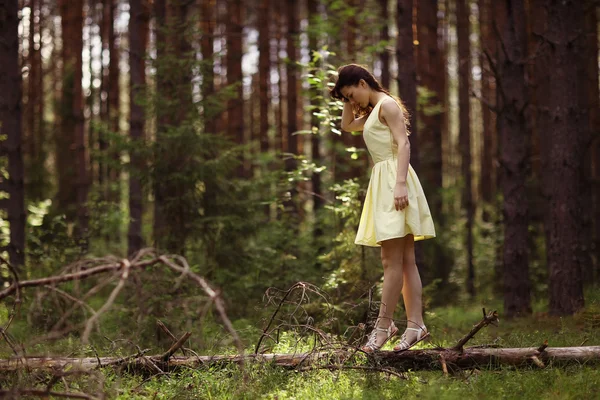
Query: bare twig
[[491, 317], [176, 346], [17, 303], [90, 323]]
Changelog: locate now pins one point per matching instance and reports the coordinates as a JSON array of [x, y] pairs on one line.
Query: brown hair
[[350, 75]]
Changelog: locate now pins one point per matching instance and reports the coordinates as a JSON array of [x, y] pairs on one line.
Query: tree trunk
[[430, 116], [65, 154], [10, 127], [235, 108], [407, 73], [207, 26], [563, 117], [36, 183], [512, 128], [594, 104], [292, 69], [487, 182], [138, 35], [313, 44], [464, 76], [113, 99], [264, 72], [384, 36], [437, 359]]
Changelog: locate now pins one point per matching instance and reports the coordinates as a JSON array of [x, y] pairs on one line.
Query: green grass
[[447, 325]]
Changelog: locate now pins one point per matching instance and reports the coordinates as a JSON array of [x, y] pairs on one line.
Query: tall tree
[[384, 36], [429, 58], [563, 116], [313, 43], [35, 155], [487, 183], [207, 27], [235, 108], [292, 69], [10, 127], [594, 104], [464, 75], [138, 36], [264, 72], [512, 128], [407, 73], [72, 157]]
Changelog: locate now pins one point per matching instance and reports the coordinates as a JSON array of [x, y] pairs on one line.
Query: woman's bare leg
[[392, 252], [412, 291]]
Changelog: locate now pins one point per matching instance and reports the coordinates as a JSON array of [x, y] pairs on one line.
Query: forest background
[[204, 128]]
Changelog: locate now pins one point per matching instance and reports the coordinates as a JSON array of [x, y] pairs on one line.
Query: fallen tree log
[[430, 359]]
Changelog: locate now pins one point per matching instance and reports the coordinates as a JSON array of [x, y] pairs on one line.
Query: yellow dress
[[379, 220]]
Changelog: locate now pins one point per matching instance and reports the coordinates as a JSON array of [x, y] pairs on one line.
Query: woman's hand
[[400, 196]]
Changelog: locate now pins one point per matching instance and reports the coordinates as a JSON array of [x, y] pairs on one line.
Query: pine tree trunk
[[430, 126], [138, 34], [235, 108], [36, 183], [114, 98], [315, 137], [464, 76], [65, 131], [384, 36], [11, 126], [594, 104], [264, 72], [407, 73], [512, 128], [563, 118], [292, 69], [487, 182], [207, 26], [79, 139]]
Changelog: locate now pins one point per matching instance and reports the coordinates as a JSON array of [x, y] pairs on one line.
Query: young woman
[[395, 213]]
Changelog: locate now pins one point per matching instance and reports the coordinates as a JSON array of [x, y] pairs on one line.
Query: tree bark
[[487, 182], [264, 72], [36, 182], [138, 35], [487, 358], [313, 44], [292, 69], [563, 117], [235, 108], [384, 36], [464, 76], [11, 126], [592, 57], [407, 73], [593, 177], [512, 128], [430, 122], [207, 26]]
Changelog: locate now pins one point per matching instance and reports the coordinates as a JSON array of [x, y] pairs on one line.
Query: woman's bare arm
[[349, 123]]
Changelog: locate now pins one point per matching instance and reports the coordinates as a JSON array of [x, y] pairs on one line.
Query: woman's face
[[358, 94]]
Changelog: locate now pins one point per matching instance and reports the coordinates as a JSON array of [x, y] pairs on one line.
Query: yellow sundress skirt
[[380, 220]]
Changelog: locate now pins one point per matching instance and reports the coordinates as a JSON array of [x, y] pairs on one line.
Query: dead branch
[[87, 268], [429, 359], [490, 318], [176, 346], [90, 323], [18, 393]]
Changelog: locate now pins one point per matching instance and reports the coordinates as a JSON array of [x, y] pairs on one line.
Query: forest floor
[[447, 325]]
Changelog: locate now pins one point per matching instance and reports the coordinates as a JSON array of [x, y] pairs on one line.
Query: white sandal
[[422, 334], [371, 345]]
